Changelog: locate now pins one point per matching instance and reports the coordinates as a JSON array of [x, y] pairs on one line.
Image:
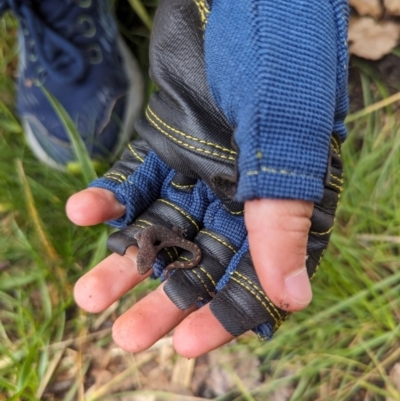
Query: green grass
[[341, 348]]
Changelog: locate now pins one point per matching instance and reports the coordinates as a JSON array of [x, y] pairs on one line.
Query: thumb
[[278, 235], [93, 206]]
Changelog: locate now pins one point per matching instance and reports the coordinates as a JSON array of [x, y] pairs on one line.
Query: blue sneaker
[[73, 49]]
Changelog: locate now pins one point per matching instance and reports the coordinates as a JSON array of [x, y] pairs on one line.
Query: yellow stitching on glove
[[335, 145], [257, 297], [179, 186], [149, 223], [203, 11], [208, 275], [219, 240], [195, 272], [153, 118], [318, 264], [339, 187], [234, 213], [321, 234], [109, 175], [140, 226], [341, 180], [204, 271], [116, 174], [262, 293], [180, 211], [266, 169], [133, 151]]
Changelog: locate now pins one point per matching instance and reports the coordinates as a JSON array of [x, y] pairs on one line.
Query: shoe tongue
[[3, 6], [56, 48], [52, 11]]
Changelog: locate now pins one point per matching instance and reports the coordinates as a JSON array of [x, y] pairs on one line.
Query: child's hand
[[278, 250], [251, 105], [285, 246]]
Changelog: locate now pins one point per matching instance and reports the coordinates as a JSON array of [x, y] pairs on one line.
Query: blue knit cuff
[[110, 185], [116, 188], [278, 70], [138, 191], [276, 184], [104, 183]]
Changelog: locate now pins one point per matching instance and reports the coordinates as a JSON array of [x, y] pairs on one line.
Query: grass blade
[[81, 153], [8, 121], [141, 11], [372, 108], [34, 215]]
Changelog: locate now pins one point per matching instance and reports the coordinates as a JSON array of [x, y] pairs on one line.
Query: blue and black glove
[[251, 103]]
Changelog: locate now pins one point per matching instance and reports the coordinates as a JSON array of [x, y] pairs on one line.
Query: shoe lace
[[59, 56]]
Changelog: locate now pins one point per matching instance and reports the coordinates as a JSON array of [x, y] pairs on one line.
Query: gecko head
[[144, 263]]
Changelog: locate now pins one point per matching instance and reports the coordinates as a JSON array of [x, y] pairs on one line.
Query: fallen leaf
[[395, 378], [392, 6], [218, 372], [368, 7], [372, 40]]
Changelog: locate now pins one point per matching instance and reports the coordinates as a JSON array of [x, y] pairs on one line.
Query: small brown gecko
[[154, 238]]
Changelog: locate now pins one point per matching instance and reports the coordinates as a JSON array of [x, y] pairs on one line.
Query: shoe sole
[[133, 107]]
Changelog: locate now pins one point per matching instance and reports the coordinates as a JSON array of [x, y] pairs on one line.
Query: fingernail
[[298, 287]]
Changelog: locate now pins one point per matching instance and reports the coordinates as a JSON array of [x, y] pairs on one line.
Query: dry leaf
[[372, 40], [368, 7], [395, 378], [392, 6], [218, 372]]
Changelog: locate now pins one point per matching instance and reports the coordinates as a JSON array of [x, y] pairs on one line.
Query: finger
[[93, 206], [278, 235], [200, 333], [147, 321], [108, 281]]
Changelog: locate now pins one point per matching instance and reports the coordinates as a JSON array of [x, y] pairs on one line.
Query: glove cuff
[[266, 182], [135, 180]]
